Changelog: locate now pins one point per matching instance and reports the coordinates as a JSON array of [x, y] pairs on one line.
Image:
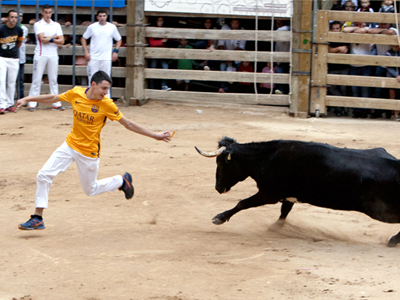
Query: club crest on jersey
[[95, 108]]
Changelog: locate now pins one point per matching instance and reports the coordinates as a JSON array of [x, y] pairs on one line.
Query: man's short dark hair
[[101, 11], [46, 6], [334, 23], [12, 10], [99, 76]]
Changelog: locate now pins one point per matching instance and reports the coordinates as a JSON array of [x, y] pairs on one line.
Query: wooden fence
[[320, 79]]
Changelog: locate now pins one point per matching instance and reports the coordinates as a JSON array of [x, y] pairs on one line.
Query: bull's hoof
[[392, 242], [217, 221]]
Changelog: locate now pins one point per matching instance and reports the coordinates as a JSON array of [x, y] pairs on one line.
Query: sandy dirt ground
[[162, 243]]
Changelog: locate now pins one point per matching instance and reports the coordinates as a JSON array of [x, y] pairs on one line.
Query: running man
[[91, 109], [101, 35], [49, 36], [11, 37]]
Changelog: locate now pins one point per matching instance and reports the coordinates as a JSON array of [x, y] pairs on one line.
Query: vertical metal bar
[[92, 11], [18, 24], [37, 10], [315, 11], [73, 43], [55, 10], [111, 20]]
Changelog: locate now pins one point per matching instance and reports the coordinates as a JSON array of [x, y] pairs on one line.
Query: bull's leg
[[394, 240], [285, 209], [253, 201]]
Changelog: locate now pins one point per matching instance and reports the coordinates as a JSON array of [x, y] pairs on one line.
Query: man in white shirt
[[49, 36], [22, 58], [101, 35]]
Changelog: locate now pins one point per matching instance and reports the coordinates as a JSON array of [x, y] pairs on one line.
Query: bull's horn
[[212, 154]]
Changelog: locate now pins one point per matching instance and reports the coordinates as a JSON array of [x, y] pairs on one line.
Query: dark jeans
[[20, 87]]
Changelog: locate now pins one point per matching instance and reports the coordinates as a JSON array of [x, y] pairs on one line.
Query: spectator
[[265, 87], [394, 72], [101, 35], [49, 36], [365, 7], [387, 7], [231, 44], [325, 4], [22, 58], [207, 44], [154, 62], [380, 71], [11, 36], [246, 87], [185, 64], [348, 6], [359, 49], [282, 25], [354, 2], [228, 87], [339, 69]]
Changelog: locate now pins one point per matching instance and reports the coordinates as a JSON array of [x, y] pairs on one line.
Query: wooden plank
[[116, 92], [179, 53], [209, 34], [214, 16], [215, 75], [372, 60], [370, 81], [80, 30], [364, 17], [117, 72], [319, 66], [30, 49], [282, 100], [138, 52], [130, 57], [359, 102], [301, 61], [379, 39]]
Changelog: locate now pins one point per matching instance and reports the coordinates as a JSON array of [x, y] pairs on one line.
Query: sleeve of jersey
[[116, 35], [67, 96], [113, 112], [88, 33]]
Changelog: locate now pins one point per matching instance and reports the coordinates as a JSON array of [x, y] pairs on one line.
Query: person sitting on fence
[[363, 70], [282, 25], [380, 71], [154, 62], [394, 73], [265, 87], [185, 64], [231, 44], [338, 69], [246, 87]]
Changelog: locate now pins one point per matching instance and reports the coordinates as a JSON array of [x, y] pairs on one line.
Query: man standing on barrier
[[101, 35], [49, 36]]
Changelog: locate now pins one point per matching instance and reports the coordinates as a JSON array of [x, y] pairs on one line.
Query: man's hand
[[21, 102], [114, 56], [163, 136]]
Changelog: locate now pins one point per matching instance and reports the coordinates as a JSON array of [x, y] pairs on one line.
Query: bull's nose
[[221, 190]]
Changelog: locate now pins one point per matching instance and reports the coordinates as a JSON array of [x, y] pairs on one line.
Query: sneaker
[[60, 108], [127, 186], [165, 88], [33, 224], [279, 92], [11, 109], [31, 109], [2, 110]]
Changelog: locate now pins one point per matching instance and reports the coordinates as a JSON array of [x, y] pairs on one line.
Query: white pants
[[98, 65], [39, 64], [59, 161], [9, 68]]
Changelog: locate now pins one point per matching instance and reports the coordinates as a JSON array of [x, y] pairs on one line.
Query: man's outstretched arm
[[49, 98], [132, 126]]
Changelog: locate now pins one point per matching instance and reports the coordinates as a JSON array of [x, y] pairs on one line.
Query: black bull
[[366, 181]]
